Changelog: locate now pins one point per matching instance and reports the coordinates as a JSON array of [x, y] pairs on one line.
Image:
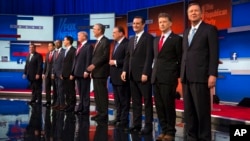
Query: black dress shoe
[[114, 122], [146, 130], [94, 117], [47, 104], [32, 102], [135, 130], [69, 109]]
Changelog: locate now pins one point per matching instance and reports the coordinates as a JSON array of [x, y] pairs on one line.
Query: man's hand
[[211, 81], [144, 78], [85, 75], [43, 76], [112, 62], [37, 76], [123, 76], [91, 68], [52, 76], [71, 77]]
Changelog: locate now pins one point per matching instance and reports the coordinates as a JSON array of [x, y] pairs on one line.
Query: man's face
[[96, 31], [194, 13], [116, 34], [164, 24], [58, 44], [50, 47], [137, 25], [66, 42], [81, 37], [32, 49]]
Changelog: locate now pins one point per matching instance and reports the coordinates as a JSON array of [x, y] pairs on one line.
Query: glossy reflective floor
[[20, 121]]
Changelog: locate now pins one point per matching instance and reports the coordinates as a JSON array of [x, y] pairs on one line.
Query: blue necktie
[[116, 45], [191, 35], [135, 41]]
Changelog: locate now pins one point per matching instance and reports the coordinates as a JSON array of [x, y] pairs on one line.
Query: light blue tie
[[191, 35], [116, 45]]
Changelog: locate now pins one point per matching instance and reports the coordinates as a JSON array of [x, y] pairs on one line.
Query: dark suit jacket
[[82, 60], [57, 63], [33, 66], [200, 59], [119, 56], [68, 62], [167, 62], [47, 70], [139, 60], [100, 59]]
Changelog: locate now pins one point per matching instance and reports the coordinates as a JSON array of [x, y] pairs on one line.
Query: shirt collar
[[84, 42], [197, 26], [120, 40], [99, 38], [166, 34]]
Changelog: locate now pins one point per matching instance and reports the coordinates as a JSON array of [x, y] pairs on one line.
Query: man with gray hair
[[82, 60]]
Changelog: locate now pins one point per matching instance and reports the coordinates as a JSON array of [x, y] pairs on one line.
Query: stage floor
[[17, 118]]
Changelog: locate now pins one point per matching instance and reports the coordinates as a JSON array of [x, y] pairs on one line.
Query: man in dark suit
[[57, 73], [199, 70], [47, 71], [139, 60], [68, 78], [121, 89], [33, 71], [99, 69], [166, 70], [82, 60]]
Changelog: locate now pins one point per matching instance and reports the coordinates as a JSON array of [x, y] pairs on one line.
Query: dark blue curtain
[[55, 7]]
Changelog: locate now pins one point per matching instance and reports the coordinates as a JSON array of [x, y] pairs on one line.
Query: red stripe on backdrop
[[10, 36]]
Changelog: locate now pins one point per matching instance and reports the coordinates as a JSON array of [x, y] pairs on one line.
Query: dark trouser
[[59, 89], [36, 87], [197, 113], [83, 86], [69, 91], [139, 90], [48, 83], [164, 95], [122, 102], [101, 98]]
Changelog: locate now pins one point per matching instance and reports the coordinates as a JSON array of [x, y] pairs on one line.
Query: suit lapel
[[138, 45]]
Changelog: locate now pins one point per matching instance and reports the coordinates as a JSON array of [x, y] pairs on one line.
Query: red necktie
[[78, 49], [160, 43], [50, 56]]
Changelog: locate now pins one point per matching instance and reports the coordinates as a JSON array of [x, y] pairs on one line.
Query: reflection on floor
[[19, 121]]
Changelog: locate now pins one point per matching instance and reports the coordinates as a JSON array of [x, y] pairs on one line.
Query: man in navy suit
[[166, 71], [68, 78], [99, 70], [120, 88], [82, 60], [56, 74], [199, 69], [47, 71], [33, 72], [138, 64]]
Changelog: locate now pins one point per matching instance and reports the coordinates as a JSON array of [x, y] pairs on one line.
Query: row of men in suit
[[194, 58]]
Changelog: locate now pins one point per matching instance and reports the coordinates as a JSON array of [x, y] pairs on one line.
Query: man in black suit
[[57, 73], [68, 78], [33, 71], [99, 70], [166, 70], [199, 70], [121, 89], [82, 60], [139, 60], [47, 71]]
